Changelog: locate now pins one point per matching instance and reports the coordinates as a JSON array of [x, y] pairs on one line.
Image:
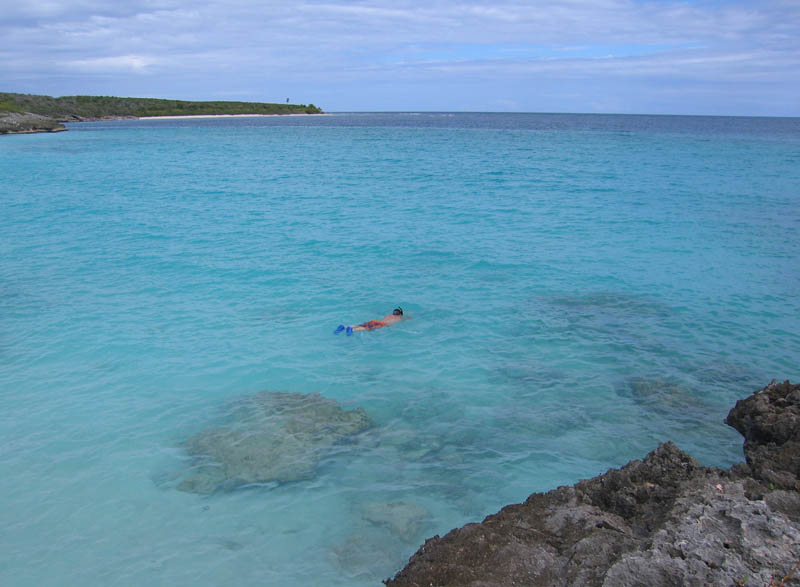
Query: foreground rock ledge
[[665, 520]]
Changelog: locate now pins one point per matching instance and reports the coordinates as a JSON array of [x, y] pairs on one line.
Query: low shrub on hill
[[6, 107], [105, 106]]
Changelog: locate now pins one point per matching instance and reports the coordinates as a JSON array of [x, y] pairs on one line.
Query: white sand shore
[[220, 116]]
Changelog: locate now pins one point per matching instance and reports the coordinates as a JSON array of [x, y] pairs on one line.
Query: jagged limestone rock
[[664, 520], [769, 420]]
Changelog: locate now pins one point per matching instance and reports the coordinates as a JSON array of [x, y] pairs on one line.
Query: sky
[[614, 56]]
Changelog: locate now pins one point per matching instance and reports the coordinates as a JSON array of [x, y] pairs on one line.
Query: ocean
[[579, 288]]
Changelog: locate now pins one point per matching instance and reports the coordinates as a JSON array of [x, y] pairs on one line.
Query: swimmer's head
[[397, 312]]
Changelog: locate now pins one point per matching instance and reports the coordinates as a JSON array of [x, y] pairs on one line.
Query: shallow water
[[580, 287]]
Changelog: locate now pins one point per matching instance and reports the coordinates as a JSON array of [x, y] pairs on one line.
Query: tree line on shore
[[68, 108]]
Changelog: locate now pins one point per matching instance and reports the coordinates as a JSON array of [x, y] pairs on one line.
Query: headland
[[26, 113]]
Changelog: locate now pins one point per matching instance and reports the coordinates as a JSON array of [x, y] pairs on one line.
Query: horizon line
[[565, 113]]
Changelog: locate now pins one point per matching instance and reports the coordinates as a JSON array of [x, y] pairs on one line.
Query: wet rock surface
[[664, 520], [271, 437]]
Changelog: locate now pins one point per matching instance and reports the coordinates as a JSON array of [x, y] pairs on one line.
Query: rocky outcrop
[[665, 520], [25, 122], [269, 437], [769, 420]]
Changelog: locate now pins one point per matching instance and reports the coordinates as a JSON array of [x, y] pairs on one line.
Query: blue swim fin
[[349, 330], [339, 329]]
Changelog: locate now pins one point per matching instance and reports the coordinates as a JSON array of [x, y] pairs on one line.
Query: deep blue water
[[580, 287]]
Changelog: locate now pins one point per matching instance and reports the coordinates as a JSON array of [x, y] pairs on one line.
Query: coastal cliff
[[664, 520], [25, 122]]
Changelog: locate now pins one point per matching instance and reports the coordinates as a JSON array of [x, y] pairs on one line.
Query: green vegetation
[[6, 107], [94, 107]]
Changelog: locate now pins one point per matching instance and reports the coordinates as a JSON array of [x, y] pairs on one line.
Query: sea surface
[[579, 288]]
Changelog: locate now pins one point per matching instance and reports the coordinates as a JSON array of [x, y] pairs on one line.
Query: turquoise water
[[580, 287]]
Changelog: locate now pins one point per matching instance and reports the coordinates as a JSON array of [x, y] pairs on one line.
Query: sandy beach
[[220, 116]]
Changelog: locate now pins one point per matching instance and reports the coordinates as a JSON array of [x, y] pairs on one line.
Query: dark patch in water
[[729, 375], [616, 304], [530, 375], [663, 397], [271, 437]]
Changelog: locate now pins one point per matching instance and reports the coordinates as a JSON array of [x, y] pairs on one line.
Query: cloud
[[121, 63], [247, 46], [34, 13]]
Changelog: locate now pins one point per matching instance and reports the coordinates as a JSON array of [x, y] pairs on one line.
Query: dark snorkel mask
[[397, 312]]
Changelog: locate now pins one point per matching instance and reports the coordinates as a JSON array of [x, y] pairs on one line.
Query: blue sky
[[629, 56]]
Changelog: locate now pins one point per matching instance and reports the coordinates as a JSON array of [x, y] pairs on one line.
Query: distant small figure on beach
[[388, 320]]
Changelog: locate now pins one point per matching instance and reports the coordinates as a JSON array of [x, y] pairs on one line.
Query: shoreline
[[183, 116], [663, 520], [28, 123], [18, 123], [32, 131]]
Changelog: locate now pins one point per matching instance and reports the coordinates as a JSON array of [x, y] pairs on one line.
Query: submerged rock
[[607, 302], [402, 519], [411, 444], [378, 539], [272, 437], [663, 397], [665, 520], [367, 553]]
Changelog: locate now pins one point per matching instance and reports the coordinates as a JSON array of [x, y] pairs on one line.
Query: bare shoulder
[[391, 318]]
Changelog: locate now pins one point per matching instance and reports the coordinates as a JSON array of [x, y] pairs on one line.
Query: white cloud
[[240, 45], [121, 63]]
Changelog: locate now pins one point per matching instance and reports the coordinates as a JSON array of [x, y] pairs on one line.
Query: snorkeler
[[389, 319]]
